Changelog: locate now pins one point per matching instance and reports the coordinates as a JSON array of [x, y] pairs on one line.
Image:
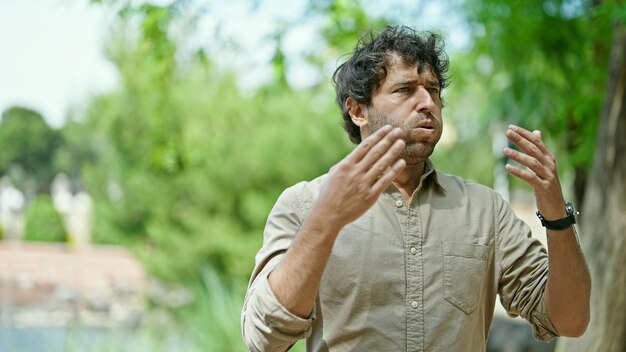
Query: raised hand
[[541, 171], [354, 184]]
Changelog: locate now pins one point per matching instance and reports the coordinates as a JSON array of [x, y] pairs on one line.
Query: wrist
[[563, 222], [323, 223]]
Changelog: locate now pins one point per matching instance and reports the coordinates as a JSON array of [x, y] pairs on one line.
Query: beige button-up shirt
[[422, 277]]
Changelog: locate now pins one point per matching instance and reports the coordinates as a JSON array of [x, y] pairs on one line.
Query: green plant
[[43, 222]]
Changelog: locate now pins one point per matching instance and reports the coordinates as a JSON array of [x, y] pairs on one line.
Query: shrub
[[43, 222]]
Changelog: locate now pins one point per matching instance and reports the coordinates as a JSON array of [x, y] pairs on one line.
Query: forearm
[[569, 284], [568, 289], [296, 280]]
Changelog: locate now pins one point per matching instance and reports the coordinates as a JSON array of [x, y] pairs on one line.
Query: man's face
[[410, 100]]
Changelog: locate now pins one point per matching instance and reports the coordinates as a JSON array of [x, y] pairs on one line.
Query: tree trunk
[[603, 216]]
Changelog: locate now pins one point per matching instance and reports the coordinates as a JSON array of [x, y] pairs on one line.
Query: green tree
[[29, 144], [543, 64]]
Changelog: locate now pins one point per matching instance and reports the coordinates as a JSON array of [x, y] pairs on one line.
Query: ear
[[357, 112]]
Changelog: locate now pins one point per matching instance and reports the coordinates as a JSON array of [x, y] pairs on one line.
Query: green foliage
[[28, 143], [196, 164], [215, 323], [476, 163], [544, 66], [345, 22], [43, 222]]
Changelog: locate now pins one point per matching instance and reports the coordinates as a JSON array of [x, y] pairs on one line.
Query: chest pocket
[[464, 267]]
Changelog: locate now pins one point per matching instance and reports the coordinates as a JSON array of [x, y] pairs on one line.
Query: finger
[[389, 175], [524, 175], [377, 151], [364, 147], [385, 161], [529, 142], [530, 162]]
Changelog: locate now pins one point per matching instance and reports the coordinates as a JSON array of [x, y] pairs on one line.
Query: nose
[[424, 100]]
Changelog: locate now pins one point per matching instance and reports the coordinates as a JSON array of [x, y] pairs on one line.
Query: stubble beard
[[415, 151]]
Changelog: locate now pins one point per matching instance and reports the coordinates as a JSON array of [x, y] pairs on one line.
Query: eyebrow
[[431, 82], [434, 82]]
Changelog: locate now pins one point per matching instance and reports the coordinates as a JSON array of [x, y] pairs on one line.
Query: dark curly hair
[[367, 66]]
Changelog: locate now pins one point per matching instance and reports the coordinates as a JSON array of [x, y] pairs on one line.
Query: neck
[[408, 180]]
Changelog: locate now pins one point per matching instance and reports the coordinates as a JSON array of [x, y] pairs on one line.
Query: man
[[386, 253]]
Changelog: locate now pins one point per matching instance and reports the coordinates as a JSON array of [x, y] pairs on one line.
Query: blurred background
[[143, 143]]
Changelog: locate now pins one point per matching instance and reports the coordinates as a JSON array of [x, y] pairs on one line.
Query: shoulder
[[303, 193], [307, 188]]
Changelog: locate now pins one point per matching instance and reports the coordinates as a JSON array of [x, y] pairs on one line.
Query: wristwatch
[[560, 224]]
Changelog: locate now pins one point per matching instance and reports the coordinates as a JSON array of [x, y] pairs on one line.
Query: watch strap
[[560, 224]]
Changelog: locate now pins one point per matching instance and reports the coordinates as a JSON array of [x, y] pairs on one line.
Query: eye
[[433, 90], [403, 90]]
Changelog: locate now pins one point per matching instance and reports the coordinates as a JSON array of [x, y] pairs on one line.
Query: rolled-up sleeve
[[523, 267], [265, 323]]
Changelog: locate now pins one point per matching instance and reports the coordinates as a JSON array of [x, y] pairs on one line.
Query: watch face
[[569, 209]]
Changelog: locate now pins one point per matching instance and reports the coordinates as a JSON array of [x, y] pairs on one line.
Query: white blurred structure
[[11, 210], [76, 210], [79, 221], [61, 192]]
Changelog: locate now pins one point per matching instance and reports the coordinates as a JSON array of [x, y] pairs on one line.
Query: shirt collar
[[431, 172], [430, 175]]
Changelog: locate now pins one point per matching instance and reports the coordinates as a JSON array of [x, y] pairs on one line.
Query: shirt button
[[399, 203], [414, 304], [413, 250]]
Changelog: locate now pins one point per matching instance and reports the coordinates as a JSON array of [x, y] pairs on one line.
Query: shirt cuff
[[276, 316], [542, 326]]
